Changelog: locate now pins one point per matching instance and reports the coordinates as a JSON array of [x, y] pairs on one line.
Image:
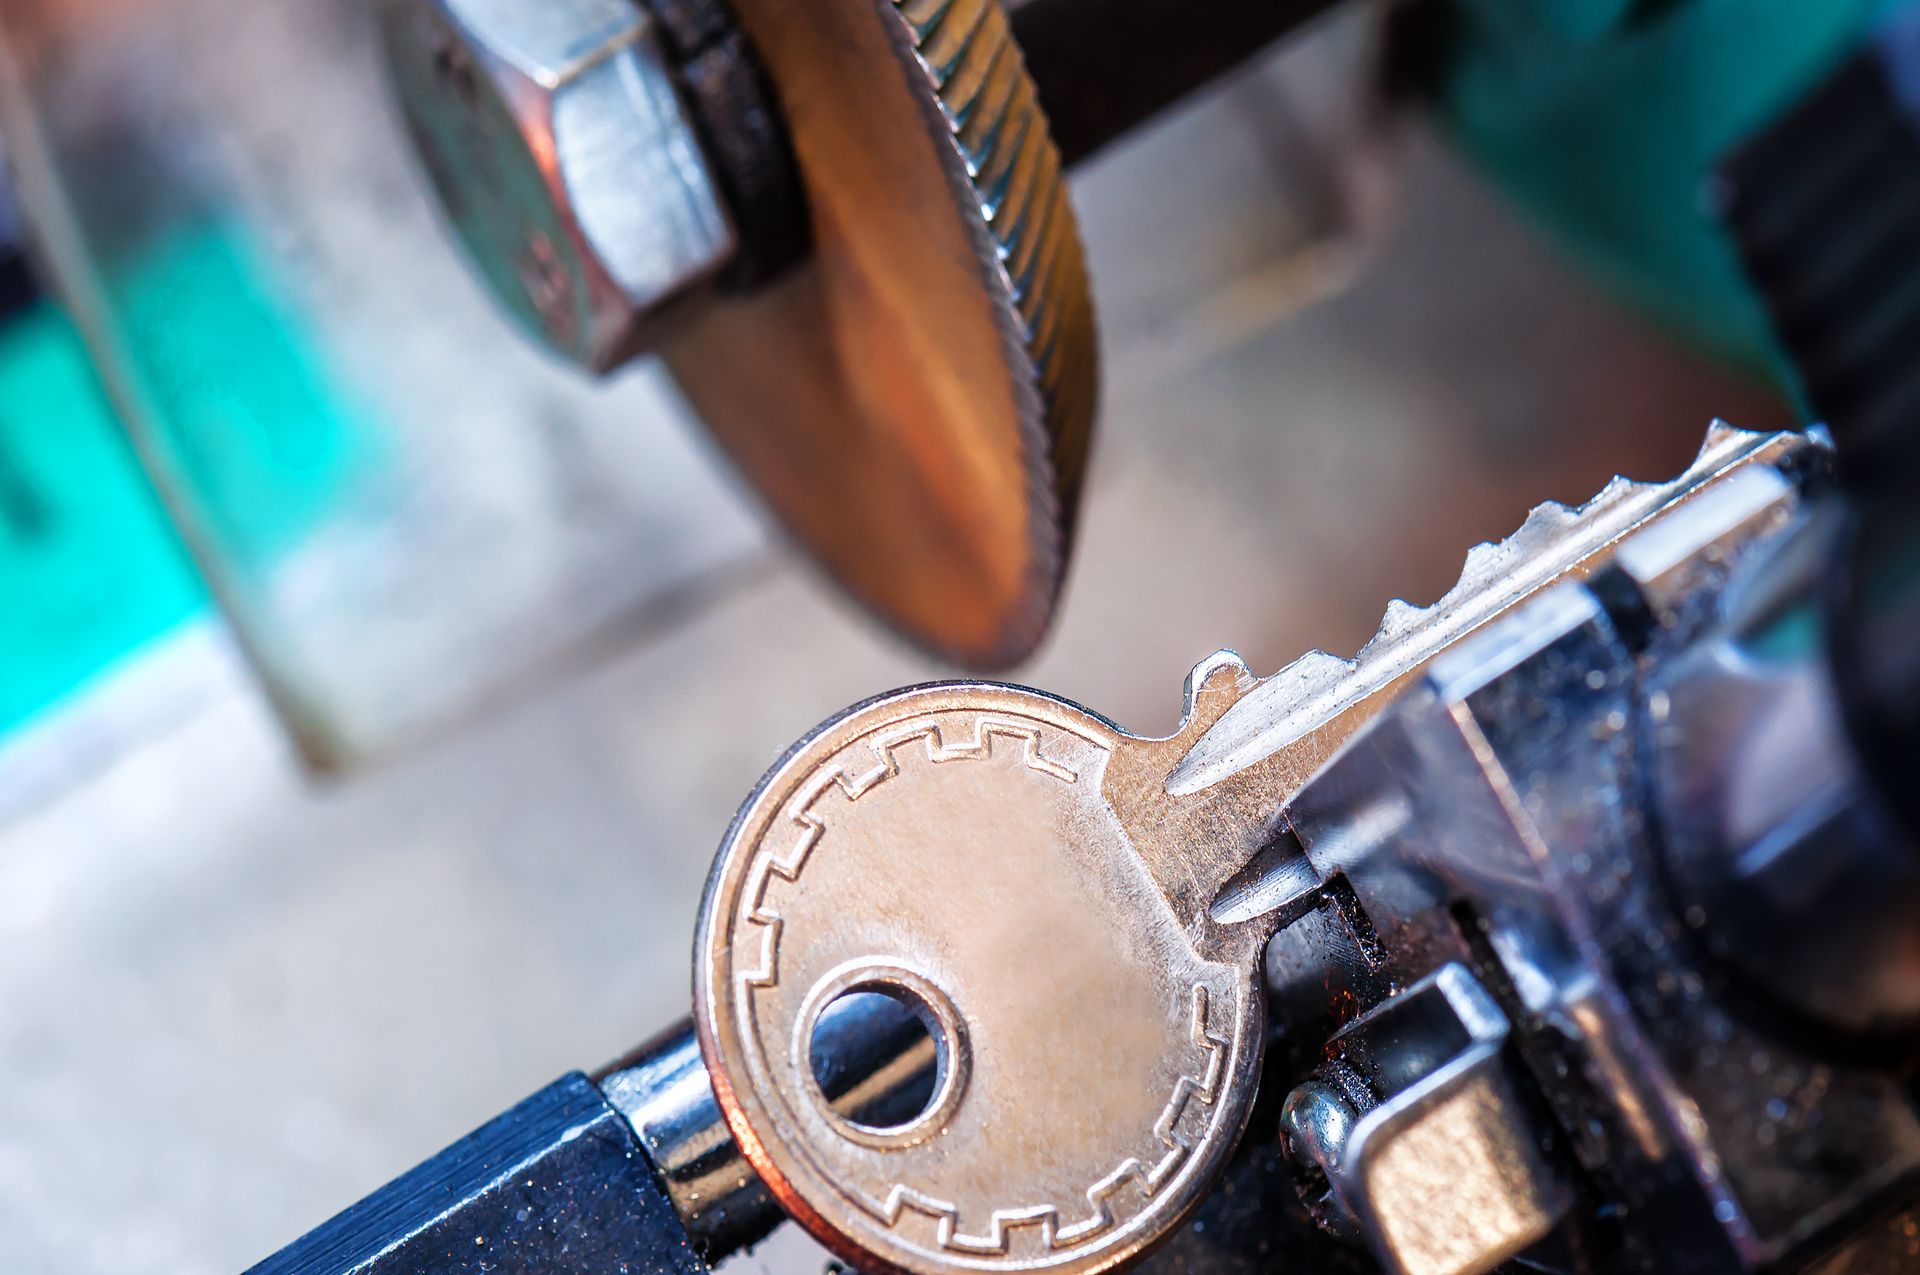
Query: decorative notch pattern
[[942, 745], [926, 732], [1203, 1089]]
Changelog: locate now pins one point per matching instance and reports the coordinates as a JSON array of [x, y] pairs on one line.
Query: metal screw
[[556, 138], [1315, 1122]]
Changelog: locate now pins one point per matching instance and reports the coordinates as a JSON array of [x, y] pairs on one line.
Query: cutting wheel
[[917, 399]]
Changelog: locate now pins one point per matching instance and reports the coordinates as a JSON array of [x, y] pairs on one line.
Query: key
[[1072, 918]]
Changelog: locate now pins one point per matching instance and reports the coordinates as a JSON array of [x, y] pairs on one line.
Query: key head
[[962, 849]]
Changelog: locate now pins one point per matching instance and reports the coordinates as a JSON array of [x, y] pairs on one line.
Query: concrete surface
[[232, 999]]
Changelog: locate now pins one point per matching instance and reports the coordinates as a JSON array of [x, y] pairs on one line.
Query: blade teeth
[[1401, 619], [972, 62]]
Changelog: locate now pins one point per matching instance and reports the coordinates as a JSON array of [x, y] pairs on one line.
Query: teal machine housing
[[1602, 119]]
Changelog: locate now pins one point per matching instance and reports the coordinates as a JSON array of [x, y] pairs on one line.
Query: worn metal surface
[[663, 1091], [1422, 791], [1103, 68]]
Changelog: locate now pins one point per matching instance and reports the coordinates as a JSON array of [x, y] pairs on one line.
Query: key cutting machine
[[1572, 925]]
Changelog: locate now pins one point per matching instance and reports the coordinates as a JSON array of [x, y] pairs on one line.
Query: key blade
[[1298, 717]]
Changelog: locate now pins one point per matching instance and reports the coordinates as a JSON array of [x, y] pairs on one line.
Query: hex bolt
[[559, 145]]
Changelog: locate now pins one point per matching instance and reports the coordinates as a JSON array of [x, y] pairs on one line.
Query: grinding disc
[[916, 400]]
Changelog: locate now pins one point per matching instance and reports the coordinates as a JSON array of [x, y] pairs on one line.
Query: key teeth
[[1544, 520], [1318, 681], [1401, 615], [1480, 557], [1717, 433], [1548, 514]]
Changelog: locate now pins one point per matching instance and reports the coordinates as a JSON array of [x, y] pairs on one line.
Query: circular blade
[[916, 400]]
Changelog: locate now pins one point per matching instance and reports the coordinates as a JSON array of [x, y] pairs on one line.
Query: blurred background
[[374, 691]]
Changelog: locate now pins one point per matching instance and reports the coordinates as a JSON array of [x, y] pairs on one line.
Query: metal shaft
[[659, 1188], [663, 1090], [866, 1054], [558, 1185], [1104, 67]]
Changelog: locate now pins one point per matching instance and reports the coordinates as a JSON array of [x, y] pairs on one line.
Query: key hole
[[879, 1057]]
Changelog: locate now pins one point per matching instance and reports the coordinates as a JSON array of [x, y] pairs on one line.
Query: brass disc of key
[[956, 847], [915, 401]]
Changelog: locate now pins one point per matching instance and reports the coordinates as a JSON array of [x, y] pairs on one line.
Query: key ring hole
[[883, 1053]]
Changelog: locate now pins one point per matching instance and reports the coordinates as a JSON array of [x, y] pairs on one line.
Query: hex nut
[[560, 149]]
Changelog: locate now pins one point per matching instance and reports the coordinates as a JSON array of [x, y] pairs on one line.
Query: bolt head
[[564, 157]]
